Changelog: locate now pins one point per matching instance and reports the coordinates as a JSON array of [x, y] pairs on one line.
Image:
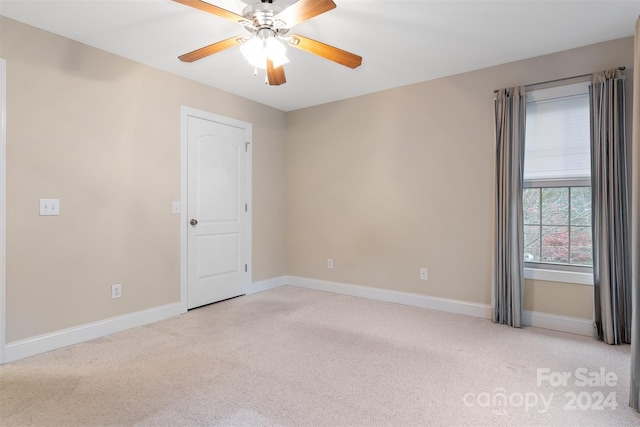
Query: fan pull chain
[[255, 72]]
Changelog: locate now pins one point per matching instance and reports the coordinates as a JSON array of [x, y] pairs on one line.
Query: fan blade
[[210, 50], [302, 10], [331, 53], [275, 76], [206, 7]]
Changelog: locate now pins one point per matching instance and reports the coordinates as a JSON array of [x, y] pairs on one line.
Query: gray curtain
[[634, 393], [508, 274], [611, 209]]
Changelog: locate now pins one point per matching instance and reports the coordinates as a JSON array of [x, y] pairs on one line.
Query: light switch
[[49, 206], [175, 207]]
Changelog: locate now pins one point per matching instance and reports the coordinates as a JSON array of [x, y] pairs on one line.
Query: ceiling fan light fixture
[[258, 49]]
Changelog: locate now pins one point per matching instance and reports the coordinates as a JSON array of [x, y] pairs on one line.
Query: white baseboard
[[572, 325], [40, 344], [31, 346], [265, 285], [406, 298], [535, 319]]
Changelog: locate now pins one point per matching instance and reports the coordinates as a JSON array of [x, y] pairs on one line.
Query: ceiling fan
[[268, 24]]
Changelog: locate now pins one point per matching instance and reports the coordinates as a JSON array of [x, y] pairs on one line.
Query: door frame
[[185, 113], [3, 206]]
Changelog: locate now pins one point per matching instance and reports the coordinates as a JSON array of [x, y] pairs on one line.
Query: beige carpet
[[293, 356]]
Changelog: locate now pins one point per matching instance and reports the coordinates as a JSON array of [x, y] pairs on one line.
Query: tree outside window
[[557, 225]]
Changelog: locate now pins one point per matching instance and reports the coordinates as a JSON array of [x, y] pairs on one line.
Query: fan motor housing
[[262, 15]]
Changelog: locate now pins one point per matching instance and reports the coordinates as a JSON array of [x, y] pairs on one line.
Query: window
[[557, 182]]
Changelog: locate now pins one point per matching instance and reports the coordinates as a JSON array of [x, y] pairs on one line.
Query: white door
[[216, 211]]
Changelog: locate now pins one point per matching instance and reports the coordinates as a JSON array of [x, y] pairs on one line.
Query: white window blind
[[557, 133]]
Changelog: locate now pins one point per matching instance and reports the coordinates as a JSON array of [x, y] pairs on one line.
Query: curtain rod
[[559, 80]]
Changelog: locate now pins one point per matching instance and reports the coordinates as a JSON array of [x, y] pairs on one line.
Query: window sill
[[559, 276]]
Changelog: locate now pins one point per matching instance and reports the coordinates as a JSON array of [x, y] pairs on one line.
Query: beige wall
[[393, 181], [563, 299], [102, 134]]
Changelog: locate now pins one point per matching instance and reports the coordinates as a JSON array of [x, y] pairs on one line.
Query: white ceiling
[[402, 42]]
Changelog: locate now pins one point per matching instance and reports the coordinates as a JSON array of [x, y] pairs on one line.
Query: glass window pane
[[531, 205], [555, 244], [581, 245], [581, 206], [555, 206], [531, 243]]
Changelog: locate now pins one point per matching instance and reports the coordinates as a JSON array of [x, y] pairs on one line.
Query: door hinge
[[246, 147], [246, 208], [246, 268]]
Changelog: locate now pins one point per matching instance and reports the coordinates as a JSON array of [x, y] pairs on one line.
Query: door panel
[[218, 187], [217, 255]]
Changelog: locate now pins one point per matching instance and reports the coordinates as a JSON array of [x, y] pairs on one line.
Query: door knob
[[193, 222]]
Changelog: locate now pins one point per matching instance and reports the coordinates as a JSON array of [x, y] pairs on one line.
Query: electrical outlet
[[329, 263], [424, 274], [116, 291]]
